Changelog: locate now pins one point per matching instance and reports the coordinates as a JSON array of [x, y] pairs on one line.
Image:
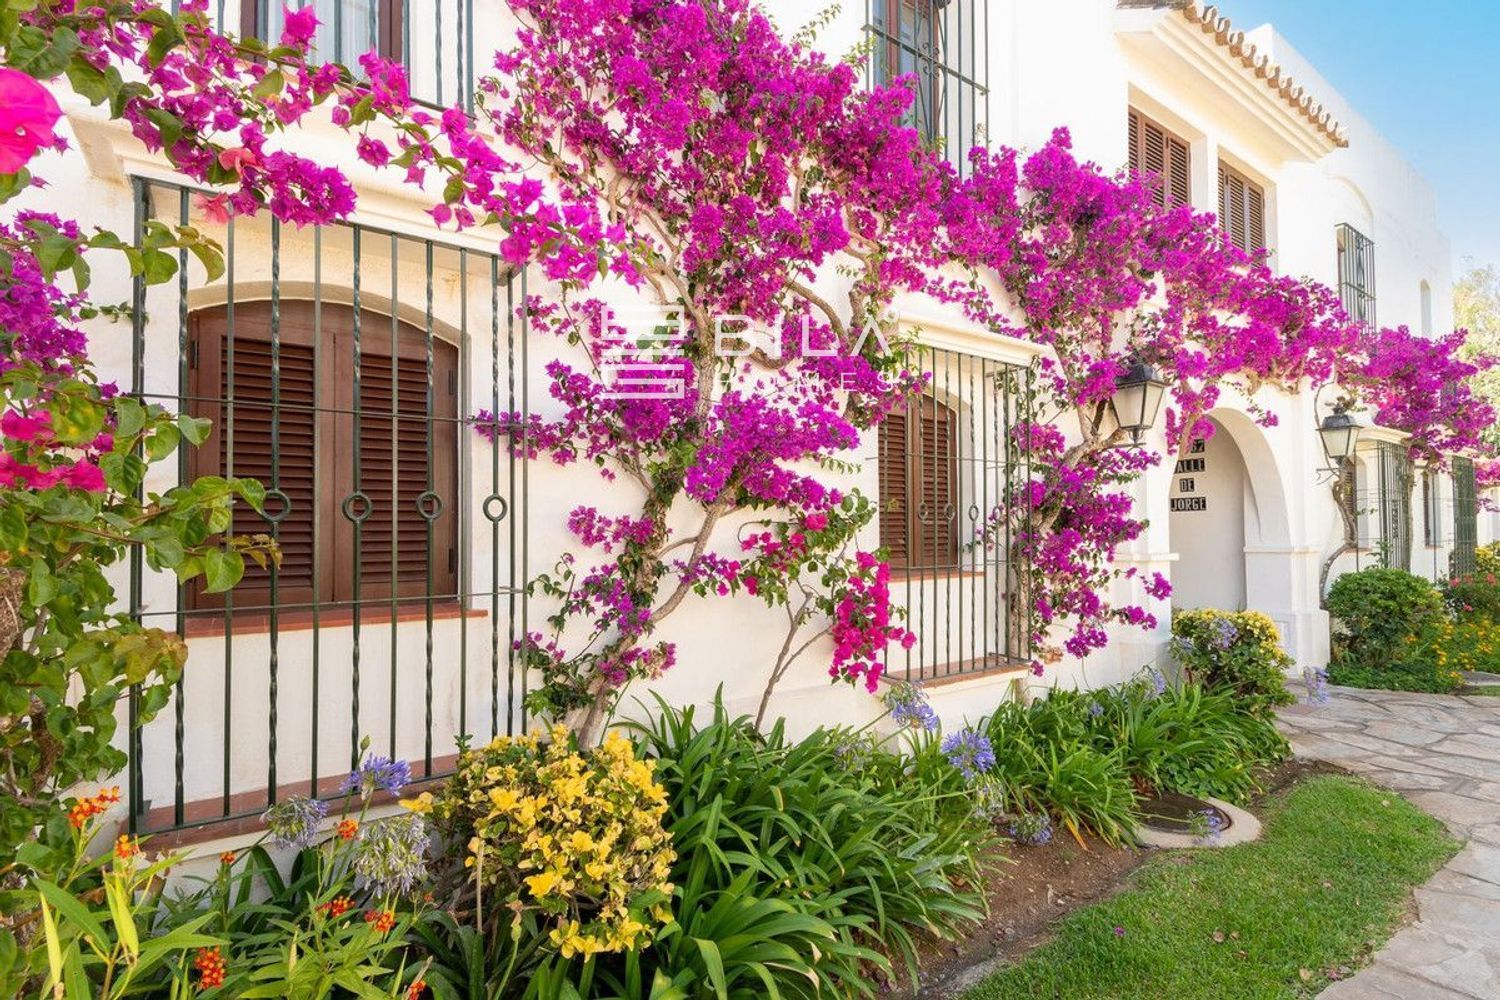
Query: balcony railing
[[337, 364]]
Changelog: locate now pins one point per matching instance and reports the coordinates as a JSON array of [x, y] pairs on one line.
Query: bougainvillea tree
[[74, 451], [743, 171]]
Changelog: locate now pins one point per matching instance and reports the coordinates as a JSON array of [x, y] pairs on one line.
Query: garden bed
[[1341, 854], [1030, 889]]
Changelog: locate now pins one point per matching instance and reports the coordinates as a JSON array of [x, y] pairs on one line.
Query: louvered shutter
[[317, 471], [397, 470], [918, 473], [231, 384], [892, 469], [1155, 151], [1242, 210], [933, 516]]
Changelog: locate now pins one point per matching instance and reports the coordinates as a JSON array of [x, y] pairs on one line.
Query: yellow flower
[[504, 799], [421, 804], [541, 884]]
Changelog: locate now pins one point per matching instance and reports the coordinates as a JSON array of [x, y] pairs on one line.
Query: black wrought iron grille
[[1465, 518], [338, 364], [950, 482], [1395, 470], [434, 39], [945, 43], [1356, 274]]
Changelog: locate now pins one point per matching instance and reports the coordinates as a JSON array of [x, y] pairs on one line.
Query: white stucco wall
[[1079, 64]]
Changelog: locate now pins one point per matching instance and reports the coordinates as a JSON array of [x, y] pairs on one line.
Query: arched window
[[359, 435], [1426, 309], [919, 488]]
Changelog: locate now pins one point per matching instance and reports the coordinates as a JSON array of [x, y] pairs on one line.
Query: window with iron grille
[[1157, 152], [347, 29], [433, 38], [1432, 522], [284, 412], [1242, 209], [1395, 506], [337, 364], [944, 44], [1465, 518], [1356, 274], [949, 481]]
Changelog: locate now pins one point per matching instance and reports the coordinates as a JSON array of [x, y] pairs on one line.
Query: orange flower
[[87, 808], [210, 966], [415, 990], [380, 920], [337, 907], [126, 848], [347, 828], [227, 858]]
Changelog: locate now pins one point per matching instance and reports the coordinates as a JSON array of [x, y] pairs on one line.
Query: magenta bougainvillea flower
[[28, 112]]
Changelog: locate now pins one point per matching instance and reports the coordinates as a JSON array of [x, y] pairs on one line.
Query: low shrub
[[1047, 762], [804, 867], [1473, 596], [1393, 632], [1384, 617], [1238, 651], [1487, 559]]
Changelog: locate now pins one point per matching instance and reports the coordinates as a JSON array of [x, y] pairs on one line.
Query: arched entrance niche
[[1229, 523]]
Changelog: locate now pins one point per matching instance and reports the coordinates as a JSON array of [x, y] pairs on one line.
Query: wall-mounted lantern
[[1137, 400], [1340, 434]]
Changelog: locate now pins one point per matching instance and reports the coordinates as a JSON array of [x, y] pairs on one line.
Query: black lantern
[[1137, 399], [1340, 433]]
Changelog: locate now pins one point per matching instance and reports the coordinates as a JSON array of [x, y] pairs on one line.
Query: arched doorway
[[1228, 522]]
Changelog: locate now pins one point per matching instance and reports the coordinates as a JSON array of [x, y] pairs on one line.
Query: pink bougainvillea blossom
[[28, 113]]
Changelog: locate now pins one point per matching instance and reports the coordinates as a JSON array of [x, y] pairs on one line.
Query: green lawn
[[1329, 878]]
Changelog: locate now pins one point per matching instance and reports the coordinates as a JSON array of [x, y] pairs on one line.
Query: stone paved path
[[1443, 753]]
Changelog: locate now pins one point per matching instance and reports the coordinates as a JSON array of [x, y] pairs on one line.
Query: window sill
[[944, 674], [207, 624]]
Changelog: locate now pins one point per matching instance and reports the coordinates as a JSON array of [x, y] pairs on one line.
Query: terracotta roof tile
[[1209, 19]]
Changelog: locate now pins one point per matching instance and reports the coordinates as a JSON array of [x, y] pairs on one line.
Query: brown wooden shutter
[[918, 474], [397, 472], [215, 375], [1242, 210], [317, 471], [1155, 151], [892, 469]]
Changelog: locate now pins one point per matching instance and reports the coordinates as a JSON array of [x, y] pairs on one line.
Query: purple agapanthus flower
[[1157, 682], [1316, 680], [1095, 709], [969, 751], [377, 773], [909, 709], [1032, 829], [1225, 633], [1209, 825], [293, 822]]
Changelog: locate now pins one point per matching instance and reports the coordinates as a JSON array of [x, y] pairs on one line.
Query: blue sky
[[1427, 74]]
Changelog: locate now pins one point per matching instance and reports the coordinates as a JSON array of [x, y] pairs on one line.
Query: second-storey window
[[1162, 155], [1356, 274], [357, 442], [1242, 209], [943, 44], [347, 29]]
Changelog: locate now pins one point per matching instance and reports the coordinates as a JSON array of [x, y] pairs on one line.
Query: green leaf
[[70, 909], [41, 585], [270, 85], [222, 569], [162, 443], [158, 266], [195, 429]]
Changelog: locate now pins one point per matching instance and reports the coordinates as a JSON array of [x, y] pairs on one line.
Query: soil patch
[[1030, 888]]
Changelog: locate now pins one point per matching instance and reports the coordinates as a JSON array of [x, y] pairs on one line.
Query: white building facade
[[339, 364]]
